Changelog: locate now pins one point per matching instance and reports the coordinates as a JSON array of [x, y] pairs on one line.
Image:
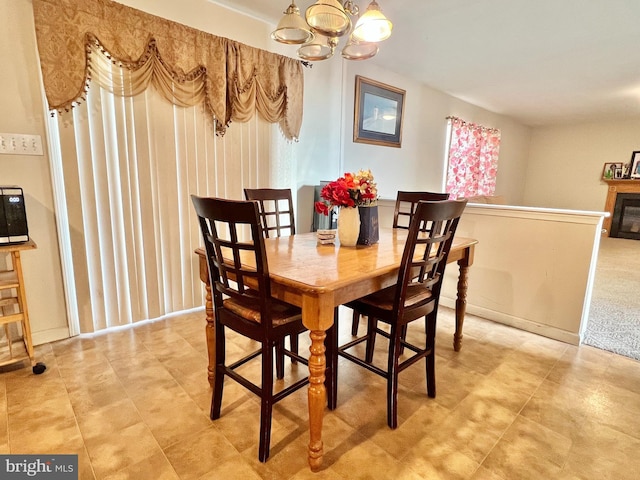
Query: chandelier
[[327, 21]]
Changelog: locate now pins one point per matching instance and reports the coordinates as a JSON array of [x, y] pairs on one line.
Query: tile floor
[[134, 403]]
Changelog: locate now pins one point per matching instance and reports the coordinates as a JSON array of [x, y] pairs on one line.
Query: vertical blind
[[126, 169]]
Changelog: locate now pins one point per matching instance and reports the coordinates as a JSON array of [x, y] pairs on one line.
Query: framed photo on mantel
[[634, 171], [612, 171]]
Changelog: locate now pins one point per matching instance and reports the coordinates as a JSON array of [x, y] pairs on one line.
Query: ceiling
[[540, 62]]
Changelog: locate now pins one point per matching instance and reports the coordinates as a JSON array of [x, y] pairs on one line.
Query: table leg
[[461, 304], [317, 397], [210, 332]]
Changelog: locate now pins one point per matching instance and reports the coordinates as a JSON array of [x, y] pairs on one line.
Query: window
[[472, 159]]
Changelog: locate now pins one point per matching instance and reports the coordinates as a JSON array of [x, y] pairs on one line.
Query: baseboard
[[52, 335], [517, 322]]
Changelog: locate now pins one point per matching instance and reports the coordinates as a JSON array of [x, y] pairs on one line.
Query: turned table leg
[[461, 305], [210, 329], [210, 332], [317, 397]]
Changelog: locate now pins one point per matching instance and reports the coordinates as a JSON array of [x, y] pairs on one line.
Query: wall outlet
[[17, 144]]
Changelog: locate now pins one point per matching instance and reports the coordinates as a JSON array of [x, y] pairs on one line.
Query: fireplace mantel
[[615, 187]]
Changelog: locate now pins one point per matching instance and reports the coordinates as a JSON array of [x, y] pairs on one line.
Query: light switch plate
[[18, 144]]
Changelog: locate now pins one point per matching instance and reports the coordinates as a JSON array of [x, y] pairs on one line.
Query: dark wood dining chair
[[242, 302], [415, 295], [407, 202], [277, 216], [276, 210], [405, 208]]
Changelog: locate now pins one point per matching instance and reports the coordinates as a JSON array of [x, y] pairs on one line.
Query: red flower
[[322, 207], [348, 191]]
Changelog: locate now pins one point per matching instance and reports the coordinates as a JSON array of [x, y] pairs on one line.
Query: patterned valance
[[124, 50]]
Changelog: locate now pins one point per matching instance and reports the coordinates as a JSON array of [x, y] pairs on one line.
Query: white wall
[[565, 162], [533, 268], [21, 108]]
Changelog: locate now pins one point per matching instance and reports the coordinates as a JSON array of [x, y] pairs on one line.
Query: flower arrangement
[[350, 190]]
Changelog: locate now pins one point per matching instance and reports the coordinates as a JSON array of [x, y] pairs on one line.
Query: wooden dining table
[[318, 278]]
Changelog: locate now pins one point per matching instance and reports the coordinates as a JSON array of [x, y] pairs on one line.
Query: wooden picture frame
[[634, 171], [609, 170], [378, 111]]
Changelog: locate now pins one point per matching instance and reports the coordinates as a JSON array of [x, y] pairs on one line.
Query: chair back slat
[[276, 210], [406, 204]]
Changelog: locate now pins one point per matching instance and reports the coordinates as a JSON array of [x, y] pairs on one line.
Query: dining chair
[[276, 209], [407, 202], [405, 208], [241, 289], [277, 216], [415, 295]]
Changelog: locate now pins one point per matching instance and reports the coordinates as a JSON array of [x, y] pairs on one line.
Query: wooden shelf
[[622, 181], [9, 279], [13, 309]]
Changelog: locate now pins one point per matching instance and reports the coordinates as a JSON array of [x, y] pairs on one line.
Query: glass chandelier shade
[[329, 18], [355, 50], [372, 26], [292, 29], [320, 48]]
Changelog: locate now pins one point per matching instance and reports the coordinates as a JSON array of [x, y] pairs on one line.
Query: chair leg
[[392, 376], [403, 335], [372, 324], [293, 341], [218, 384], [266, 404], [355, 323], [331, 353], [431, 357], [280, 359]]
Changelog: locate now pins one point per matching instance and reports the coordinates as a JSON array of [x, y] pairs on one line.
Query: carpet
[[614, 315]]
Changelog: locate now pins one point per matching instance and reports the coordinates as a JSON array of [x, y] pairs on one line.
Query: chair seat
[[384, 299], [281, 313]]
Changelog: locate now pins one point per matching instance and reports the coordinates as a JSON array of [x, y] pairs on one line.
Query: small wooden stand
[[12, 281]]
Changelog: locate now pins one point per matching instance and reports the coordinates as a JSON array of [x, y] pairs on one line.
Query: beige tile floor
[[134, 403]]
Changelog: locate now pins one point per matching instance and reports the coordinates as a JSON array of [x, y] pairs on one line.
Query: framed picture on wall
[[634, 172], [378, 112], [610, 169]]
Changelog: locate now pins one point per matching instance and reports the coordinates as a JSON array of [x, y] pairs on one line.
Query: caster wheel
[[39, 368]]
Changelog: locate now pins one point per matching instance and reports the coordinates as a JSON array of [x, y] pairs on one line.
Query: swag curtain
[[472, 159], [78, 38]]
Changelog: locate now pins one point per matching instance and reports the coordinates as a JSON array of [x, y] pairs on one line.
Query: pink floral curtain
[[473, 159]]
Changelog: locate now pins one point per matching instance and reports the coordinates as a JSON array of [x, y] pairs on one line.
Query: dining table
[[319, 277]]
